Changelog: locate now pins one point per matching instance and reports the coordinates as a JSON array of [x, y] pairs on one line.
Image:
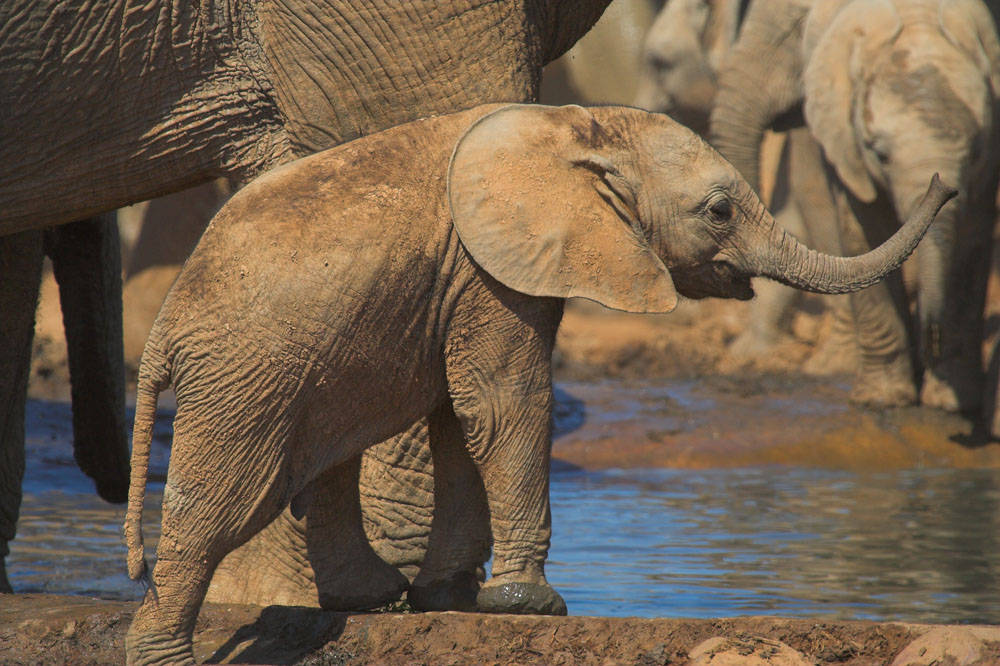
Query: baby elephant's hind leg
[[207, 512]]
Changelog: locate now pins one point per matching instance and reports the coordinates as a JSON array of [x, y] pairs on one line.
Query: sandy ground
[[51, 630]]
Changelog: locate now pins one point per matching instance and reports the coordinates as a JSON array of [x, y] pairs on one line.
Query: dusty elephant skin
[[892, 90], [290, 350], [110, 103], [41, 629]]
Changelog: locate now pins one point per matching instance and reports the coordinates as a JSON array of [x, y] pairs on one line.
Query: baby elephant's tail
[[153, 378]]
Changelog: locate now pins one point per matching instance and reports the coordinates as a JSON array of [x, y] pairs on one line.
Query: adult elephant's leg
[[397, 499], [460, 538], [86, 261], [349, 575], [885, 375], [772, 306], [20, 275]]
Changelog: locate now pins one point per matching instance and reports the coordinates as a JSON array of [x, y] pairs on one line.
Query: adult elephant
[[205, 90], [684, 50], [893, 90]]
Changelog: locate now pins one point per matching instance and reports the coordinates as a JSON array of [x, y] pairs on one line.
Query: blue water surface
[[918, 545]]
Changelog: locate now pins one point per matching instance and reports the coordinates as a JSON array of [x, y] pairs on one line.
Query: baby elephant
[[420, 272]]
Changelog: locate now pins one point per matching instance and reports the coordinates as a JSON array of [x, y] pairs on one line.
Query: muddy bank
[[726, 422], [50, 629]]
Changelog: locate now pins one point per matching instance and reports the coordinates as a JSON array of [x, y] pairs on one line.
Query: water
[[918, 545]]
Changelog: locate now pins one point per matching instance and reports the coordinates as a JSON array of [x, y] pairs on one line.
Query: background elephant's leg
[[772, 307], [773, 303], [86, 262], [954, 377], [885, 375], [20, 275], [810, 190], [349, 575], [460, 538]]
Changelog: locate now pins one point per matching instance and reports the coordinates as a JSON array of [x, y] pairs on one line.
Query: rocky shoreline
[[49, 629]]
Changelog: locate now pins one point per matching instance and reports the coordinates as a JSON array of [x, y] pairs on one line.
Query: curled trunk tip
[[787, 260]]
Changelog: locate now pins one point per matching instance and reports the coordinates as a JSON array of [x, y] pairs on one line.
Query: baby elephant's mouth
[[716, 279]]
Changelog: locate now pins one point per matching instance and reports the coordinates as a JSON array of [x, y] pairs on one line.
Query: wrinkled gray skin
[[682, 53], [893, 90], [87, 268], [197, 92], [515, 209]]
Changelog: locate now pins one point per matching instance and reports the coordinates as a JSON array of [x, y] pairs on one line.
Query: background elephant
[[684, 49], [219, 91], [893, 90], [516, 209]]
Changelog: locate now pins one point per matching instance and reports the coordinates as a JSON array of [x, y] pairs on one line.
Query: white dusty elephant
[[683, 52], [339, 299], [893, 90], [106, 104]]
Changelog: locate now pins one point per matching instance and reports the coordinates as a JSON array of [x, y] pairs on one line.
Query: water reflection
[[916, 545]]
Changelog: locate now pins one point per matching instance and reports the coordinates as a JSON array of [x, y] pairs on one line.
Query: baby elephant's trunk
[[153, 378], [788, 261]]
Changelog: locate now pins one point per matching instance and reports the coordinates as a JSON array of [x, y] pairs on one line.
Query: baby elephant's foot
[[519, 597], [457, 593], [379, 585]]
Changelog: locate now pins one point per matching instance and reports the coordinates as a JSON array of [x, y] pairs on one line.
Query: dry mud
[[36, 629]]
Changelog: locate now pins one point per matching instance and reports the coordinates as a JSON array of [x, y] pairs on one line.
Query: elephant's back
[[318, 246]]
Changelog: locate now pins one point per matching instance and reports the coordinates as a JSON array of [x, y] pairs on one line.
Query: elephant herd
[[340, 475]]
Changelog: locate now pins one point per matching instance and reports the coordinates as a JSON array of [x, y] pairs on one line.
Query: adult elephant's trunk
[[781, 257], [759, 82]]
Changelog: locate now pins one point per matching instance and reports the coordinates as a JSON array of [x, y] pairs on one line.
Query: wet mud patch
[[758, 419]]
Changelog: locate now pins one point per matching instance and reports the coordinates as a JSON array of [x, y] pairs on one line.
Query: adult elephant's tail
[[154, 376]]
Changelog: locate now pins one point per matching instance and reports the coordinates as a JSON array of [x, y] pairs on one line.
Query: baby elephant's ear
[[541, 207]]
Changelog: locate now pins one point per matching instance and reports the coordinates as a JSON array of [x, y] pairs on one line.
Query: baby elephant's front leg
[[503, 399]]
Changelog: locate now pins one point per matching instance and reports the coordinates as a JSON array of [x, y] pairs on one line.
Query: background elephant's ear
[[538, 202], [970, 27], [833, 82]]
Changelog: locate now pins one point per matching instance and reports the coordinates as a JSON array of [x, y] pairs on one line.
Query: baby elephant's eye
[[721, 209]]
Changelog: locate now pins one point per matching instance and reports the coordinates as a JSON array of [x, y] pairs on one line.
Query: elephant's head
[[628, 208], [682, 53], [894, 95]]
